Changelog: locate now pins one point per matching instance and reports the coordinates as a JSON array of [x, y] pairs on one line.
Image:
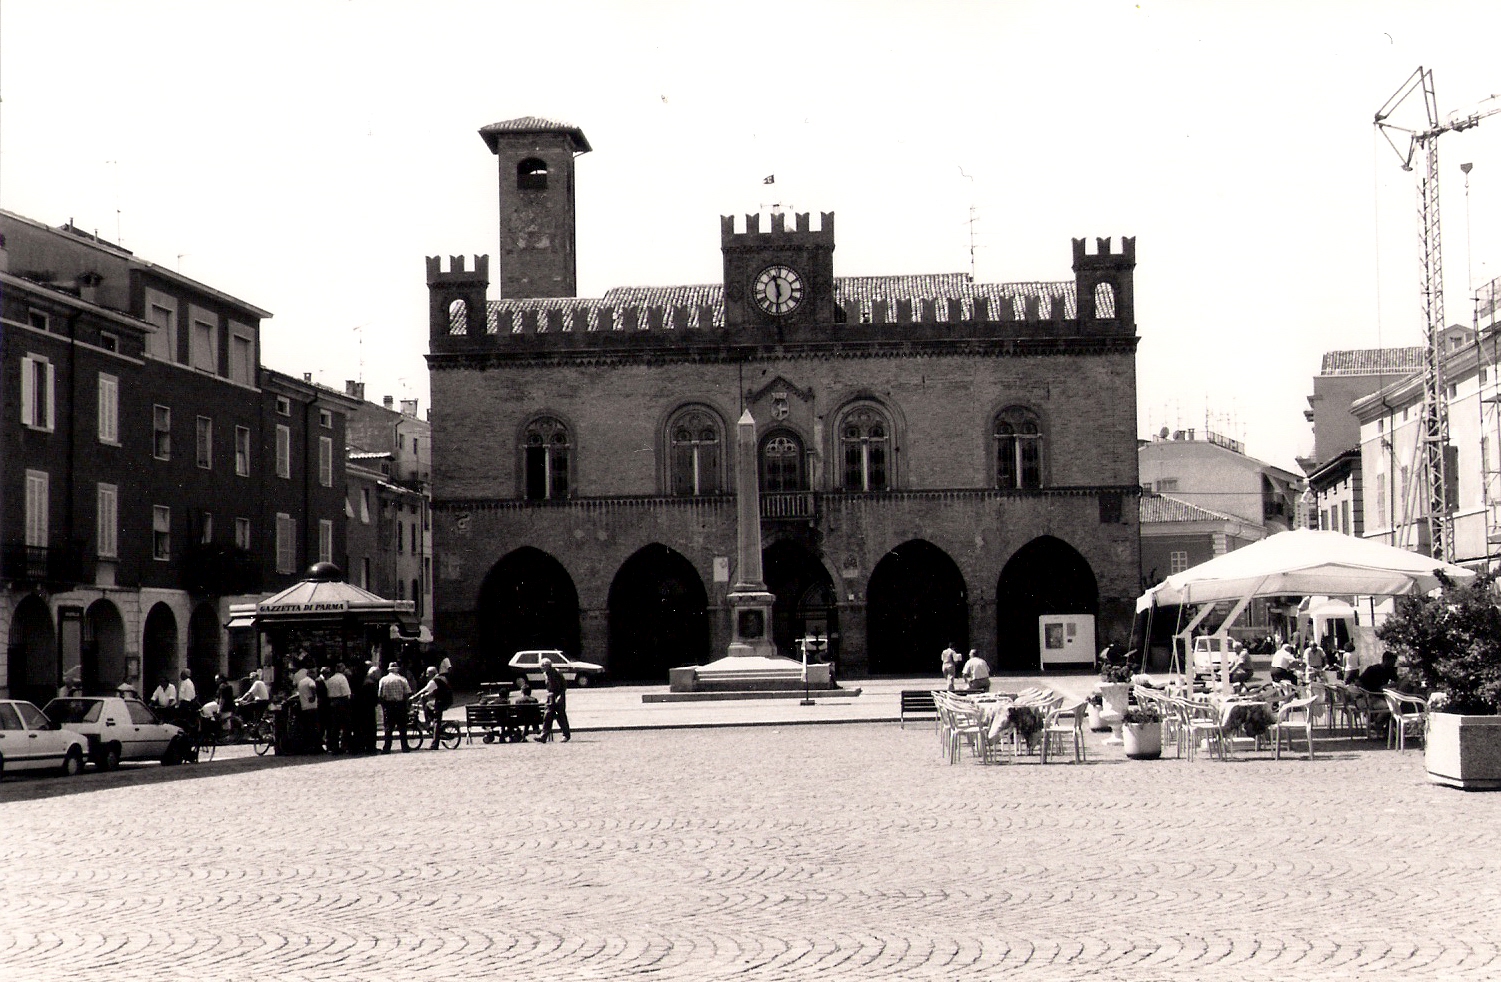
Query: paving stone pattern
[[794, 852]]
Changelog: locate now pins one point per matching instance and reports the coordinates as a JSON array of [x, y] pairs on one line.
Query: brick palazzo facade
[[940, 460]]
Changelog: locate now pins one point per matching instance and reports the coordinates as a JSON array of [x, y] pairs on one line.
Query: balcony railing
[[53, 566], [786, 505]]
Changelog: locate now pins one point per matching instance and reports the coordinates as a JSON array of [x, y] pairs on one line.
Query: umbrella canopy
[[325, 596], [1304, 562]]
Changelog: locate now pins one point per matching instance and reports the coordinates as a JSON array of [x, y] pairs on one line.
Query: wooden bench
[[499, 721], [917, 702]]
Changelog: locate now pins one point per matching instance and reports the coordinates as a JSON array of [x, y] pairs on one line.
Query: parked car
[[529, 664], [119, 729], [30, 741]]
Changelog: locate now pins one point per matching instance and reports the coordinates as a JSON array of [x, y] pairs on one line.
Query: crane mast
[[1435, 410]]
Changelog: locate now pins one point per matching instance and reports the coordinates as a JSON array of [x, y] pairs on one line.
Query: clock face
[[778, 290]]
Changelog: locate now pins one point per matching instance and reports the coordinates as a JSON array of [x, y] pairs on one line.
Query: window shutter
[[47, 400], [28, 392]]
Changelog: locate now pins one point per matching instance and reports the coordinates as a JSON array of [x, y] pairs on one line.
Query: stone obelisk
[[750, 602]]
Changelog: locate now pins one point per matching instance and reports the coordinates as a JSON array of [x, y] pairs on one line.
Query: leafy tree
[[1450, 646]]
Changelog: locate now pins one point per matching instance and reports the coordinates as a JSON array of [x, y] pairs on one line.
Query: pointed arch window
[[865, 449], [545, 448], [531, 175], [695, 437], [782, 463], [1018, 449]]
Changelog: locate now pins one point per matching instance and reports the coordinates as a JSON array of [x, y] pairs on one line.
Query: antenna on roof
[[973, 218]]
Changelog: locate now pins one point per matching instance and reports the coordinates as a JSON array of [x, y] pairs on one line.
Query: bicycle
[[449, 731], [260, 729]]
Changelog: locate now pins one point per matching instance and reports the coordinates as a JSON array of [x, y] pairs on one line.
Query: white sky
[[306, 156]]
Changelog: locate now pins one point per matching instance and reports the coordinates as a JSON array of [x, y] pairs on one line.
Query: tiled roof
[[1373, 361], [1163, 508], [535, 124], [857, 295]]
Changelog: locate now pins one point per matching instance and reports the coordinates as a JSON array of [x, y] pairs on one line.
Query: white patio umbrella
[[1304, 562]]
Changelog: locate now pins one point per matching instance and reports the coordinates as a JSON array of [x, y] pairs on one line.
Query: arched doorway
[[527, 601], [103, 648], [203, 646], [34, 669], [158, 648], [806, 601], [659, 615], [915, 605], [1045, 576]]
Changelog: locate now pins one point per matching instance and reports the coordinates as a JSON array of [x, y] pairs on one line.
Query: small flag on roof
[[769, 179]]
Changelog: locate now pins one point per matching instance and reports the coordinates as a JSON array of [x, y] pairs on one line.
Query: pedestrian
[[187, 692], [165, 695], [950, 662], [325, 717], [337, 734], [365, 702], [394, 693], [224, 695], [307, 714], [557, 703], [439, 696], [977, 672]]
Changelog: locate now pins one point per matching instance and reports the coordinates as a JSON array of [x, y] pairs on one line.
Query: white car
[[30, 741], [119, 729], [529, 664]]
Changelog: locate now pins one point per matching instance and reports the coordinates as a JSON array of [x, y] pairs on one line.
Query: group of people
[[1314, 663], [974, 670]]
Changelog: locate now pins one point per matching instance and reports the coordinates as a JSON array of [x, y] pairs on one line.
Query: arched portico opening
[[915, 605], [527, 600], [158, 648], [659, 615], [103, 661], [805, 598], [1045, 576], [33, 657], [203, 646]]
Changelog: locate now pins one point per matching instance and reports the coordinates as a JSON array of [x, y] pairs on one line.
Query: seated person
[[1241, 670], [1285, 665], [977, 673], [1379, 677], [523, 694]]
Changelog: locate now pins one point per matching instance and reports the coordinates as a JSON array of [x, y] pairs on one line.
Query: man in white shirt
[[307, 714], [186, 690], [339, 736], [977, 672], [165, 696]]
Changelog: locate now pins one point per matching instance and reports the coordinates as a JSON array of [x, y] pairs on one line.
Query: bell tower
[[536, 205]]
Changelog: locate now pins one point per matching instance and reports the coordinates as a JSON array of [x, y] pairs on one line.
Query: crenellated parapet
[[778, 235], [1104, 279]]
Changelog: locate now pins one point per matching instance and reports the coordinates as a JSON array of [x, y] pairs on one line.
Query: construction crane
[[1434, 436]]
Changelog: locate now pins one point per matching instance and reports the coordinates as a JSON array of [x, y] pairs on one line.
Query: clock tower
[[783, 278], [536, 205]]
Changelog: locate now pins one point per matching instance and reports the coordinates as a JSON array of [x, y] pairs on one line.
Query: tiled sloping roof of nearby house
[[1164, 508], [857, 295], [1373, 361]]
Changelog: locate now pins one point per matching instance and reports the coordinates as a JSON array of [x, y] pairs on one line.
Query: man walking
[[394, 693], [337, 736], [557, 703]]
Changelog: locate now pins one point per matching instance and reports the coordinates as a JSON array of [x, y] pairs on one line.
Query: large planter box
[[1464, 751], [1143, 740]]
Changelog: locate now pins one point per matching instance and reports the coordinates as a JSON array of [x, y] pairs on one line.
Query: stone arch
[[659, 615], [34, 668], [782, 463], [1104, 299], [806, 600], [158, 647], [204, 644], [1045, 576], [916, 604], [103, 662], [527, 600], [458, 316]]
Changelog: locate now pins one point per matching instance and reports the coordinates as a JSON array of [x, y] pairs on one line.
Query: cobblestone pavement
[[836, 852]]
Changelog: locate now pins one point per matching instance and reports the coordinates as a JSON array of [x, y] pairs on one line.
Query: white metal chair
[[1063, 723]]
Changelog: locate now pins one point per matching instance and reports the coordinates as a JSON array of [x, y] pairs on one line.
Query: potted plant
[[1449, 649], [1115, 687], [1141, 729]]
